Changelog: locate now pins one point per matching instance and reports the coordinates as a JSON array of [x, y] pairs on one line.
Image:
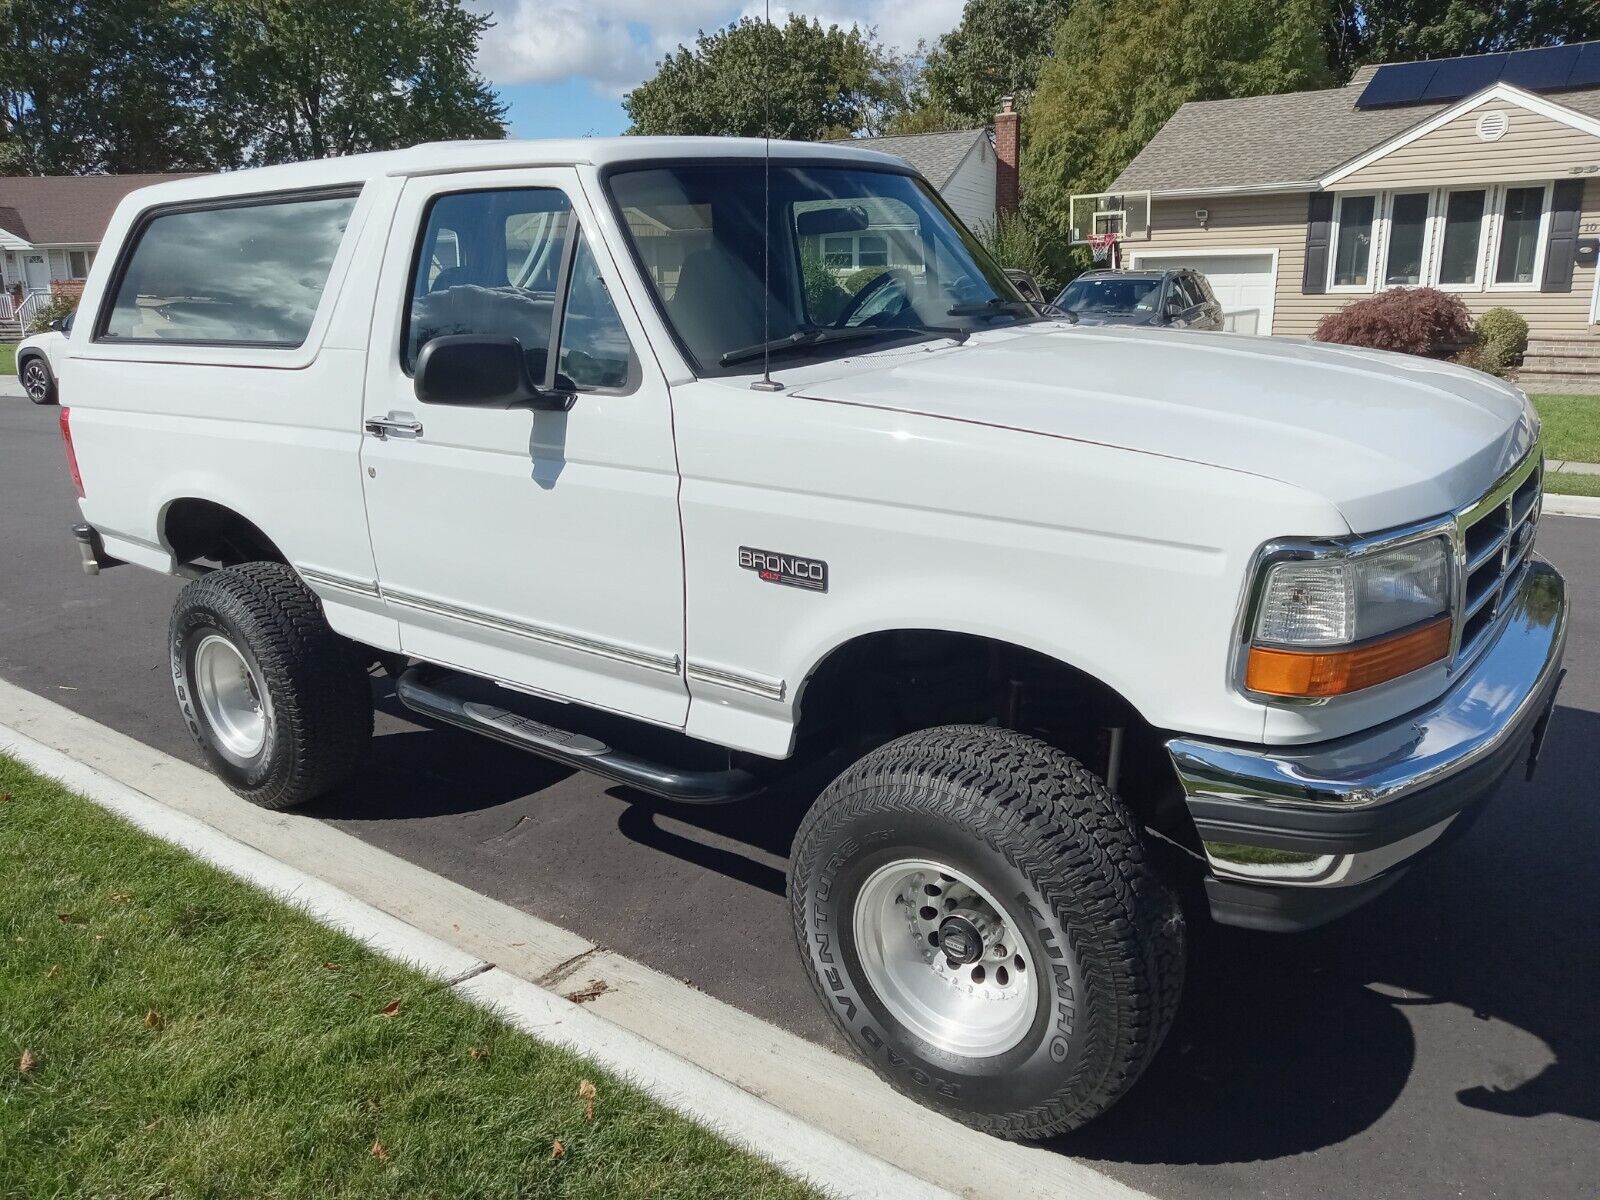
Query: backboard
[[1126, 214]]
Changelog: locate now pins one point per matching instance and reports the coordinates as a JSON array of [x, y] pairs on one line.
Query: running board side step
[[426, 690]]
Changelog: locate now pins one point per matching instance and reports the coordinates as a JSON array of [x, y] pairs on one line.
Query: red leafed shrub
[[1421, 321]]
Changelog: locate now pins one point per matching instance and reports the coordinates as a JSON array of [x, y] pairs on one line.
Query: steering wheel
[[874, 286]]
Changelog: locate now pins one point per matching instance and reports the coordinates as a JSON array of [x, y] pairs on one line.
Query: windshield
[[860, 258], [1111, 295]]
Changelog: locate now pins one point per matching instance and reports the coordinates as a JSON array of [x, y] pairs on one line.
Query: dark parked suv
[[1180, 299]]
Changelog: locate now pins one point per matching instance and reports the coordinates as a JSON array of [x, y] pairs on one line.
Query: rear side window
[[248, 274]]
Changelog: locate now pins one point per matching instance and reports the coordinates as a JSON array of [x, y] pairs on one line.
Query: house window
[[1521, 226], [872, 251], [1459, 250], [839, 252], [78, 263], [1352, 254], [1408, 238]]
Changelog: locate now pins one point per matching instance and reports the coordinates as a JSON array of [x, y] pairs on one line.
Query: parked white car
[[587, 445], [39, 361]]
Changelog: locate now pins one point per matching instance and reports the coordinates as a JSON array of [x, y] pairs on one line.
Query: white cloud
[[616, 43]]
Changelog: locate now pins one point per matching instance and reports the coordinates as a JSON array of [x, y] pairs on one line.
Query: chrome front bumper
[[1297, 835]]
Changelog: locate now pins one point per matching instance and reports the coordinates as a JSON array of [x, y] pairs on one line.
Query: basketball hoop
[[1102, 245]]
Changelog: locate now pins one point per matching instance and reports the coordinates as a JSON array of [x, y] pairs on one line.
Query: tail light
[[72, 455]]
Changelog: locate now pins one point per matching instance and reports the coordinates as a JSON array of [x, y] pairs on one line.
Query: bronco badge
[[788, 569]]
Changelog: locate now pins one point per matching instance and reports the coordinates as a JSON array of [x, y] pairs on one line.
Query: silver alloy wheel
[[235, 703], [978, 1001], [36, 381]]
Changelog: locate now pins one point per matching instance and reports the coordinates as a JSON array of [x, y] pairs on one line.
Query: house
[[974, 170], [1477, 175], [50, 228]]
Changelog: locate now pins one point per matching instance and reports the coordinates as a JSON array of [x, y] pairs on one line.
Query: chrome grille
[[1496, 538]]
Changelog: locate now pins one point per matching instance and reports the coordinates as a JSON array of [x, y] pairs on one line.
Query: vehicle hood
[[1387, 438]]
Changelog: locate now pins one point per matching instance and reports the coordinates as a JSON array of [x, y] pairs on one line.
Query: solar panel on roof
[[1401, 83], [1586, 71], [1458, 77], [1541, 70]]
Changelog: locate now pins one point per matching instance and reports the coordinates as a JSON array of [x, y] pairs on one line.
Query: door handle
[[395, 424]]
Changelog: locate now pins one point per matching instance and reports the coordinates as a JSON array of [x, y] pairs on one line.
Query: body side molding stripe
[[343, 583], [664, 663], [755, 685]]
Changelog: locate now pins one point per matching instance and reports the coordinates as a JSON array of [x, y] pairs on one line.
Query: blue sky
[[562, 66]]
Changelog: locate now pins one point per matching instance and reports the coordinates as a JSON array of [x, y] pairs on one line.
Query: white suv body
[[39, 363], [684, 545]]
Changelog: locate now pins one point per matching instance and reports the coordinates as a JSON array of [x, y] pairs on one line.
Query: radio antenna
[[766, 383]]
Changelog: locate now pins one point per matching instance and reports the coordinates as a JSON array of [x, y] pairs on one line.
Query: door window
[[490, 263], [595, 352]]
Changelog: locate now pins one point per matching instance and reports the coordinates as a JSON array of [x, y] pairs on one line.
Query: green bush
[[1023, 241], [859, 278], [59, 308], [825, 299], [1502, 337]]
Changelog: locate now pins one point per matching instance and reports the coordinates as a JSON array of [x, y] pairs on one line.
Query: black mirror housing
[[480, 369]]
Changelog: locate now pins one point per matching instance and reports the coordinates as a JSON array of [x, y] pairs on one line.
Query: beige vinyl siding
[[1278, 222], [1533, 148]]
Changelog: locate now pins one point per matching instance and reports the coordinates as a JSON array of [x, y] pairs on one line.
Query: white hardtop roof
[[438, 158]]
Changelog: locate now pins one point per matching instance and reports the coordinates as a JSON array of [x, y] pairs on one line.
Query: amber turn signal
[[1337, 672]]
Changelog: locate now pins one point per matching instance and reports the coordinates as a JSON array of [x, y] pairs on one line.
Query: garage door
[[1243, 284]]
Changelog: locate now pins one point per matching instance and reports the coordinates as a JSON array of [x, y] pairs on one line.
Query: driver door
[[539, 548]]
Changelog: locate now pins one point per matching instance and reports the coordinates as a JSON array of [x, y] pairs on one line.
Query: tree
[[1118, 71], [1378, 31], [303, 79], [997, 50], [753, 79], [100, 85], [165, 85]]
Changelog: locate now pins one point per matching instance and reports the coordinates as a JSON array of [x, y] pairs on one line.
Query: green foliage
[[754, 79], [857, 280], [165, 85], [927, 118], [59, 309], [825, 299], [997, 50], [1119, 71], [1022, 240], [1377, 31], [1502, 336]]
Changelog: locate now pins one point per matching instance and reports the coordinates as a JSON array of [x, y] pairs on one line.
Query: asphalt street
[[1444, 1041]]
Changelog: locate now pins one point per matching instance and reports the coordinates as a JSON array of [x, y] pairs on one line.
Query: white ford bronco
[[696, 468]]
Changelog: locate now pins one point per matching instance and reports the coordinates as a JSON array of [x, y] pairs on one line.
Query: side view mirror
[[59, 325], [1173, 308], [479, 369]]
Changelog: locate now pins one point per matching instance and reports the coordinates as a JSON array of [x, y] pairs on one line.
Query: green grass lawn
[[170, 1031], [8, 358], [1571, 427], [1563, 483]]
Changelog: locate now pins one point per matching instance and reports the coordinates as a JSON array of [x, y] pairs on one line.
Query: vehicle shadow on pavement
[[1290, 1044]]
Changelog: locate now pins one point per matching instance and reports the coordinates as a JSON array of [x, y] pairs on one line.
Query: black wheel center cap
[[960, 939]]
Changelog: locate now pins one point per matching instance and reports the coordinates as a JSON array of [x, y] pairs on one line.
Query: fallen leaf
[[154, 1020], [586, 1093], [390, 1009], [592, 991], [478, 1052], [5, 797], [28, 1063], [68, 918], [119, 897], [378, 1152], [332, 967], [557, 1150], [152, 1126]]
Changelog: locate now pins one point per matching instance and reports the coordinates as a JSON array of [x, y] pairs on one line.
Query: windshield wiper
[[815, 335], [991, 306]]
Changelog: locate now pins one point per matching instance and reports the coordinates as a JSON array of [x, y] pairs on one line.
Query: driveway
[[1441, 1042]]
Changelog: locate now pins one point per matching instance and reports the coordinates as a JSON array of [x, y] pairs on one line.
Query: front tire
[[977, 912], [38, 382], [278, 703]]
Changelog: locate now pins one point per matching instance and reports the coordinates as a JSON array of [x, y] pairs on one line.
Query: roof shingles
[[936, 156], [65, 210]]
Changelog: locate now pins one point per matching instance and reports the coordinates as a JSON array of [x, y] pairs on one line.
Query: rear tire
[[971, 828], [279, 704], [37, 381]]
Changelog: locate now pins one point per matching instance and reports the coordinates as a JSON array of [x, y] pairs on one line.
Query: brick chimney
[[1007, 153]]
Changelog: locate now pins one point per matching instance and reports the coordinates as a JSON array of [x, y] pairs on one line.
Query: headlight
[[1328, 626]]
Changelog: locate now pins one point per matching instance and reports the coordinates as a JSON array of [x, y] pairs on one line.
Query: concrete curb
[[810, 1111], [1571, 506]]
